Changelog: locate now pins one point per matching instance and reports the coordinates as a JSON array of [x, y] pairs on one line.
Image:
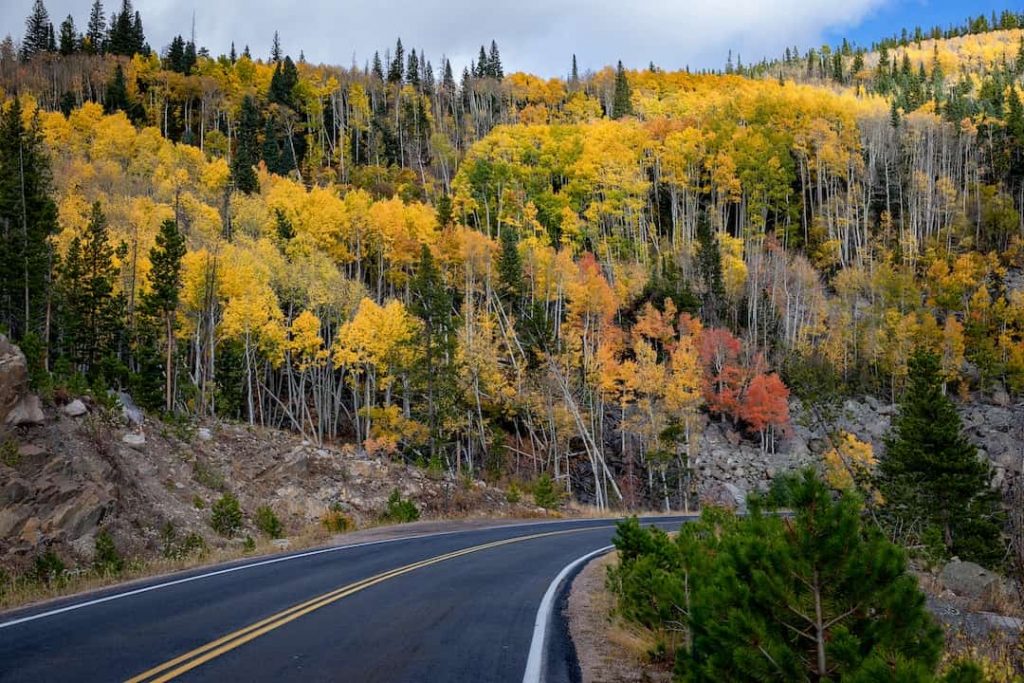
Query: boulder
[[13, 376], [75, 409], [204, 434], [726, 495], [27, 411], [967, 579], [131, 412], [134, 439]]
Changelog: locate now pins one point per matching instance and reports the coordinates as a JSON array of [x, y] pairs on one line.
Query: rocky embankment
[[729, 466], [67, 472]]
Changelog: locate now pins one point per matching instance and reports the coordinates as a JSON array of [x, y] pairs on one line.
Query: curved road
[[454, 606]]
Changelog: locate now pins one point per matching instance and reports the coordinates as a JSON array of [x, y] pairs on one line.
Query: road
[[456, 606]]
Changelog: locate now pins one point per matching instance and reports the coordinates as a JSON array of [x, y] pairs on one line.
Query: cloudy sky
[[534, 35]]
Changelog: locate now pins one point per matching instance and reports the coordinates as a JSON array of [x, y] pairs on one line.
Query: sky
[[537, 36]]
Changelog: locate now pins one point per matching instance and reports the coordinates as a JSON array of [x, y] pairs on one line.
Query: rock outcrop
[[13, 377]]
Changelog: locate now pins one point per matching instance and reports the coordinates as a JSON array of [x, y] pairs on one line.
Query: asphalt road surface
[[456, 606]]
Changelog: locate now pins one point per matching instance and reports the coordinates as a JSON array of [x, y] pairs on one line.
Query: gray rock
[[281, 543], [131, 412], [134, 439], [28, 411], [1000, 397], [967, 579], [13, 376], [75, 409], [204, 434], [727, 495]]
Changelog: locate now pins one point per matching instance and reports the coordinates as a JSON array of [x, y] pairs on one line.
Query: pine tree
[[283, 82], [91, 310], [378, 68], [709, 268], [444, 212], [819, 596], [116, 97], [397, 66], [233, 55], [510, 272], [28, 220], [68, 37], [574, 75], [931, 474], [37, 32], [494, 62], [483, 65], [247, 149], [622, 103], [275, 49], [162, 299], [125, 32], [412, 70], [432, 302], [96, 30]]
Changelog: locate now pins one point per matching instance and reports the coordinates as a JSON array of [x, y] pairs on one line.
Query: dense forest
[[503, 274]]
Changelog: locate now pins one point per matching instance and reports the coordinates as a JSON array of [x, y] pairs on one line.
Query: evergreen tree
[[162, 299], [68, 37], [91, 310], [397, 66], [28, 219], [510, 272], [448, 80], [125, 32], [819, 596], [574, 75], [283, 82], [246, 52], [931, 476], [95, 31], [37, 32], [378, 68], [175, 58], [709, 268], [247, 149], [432, 302], [116, 97], [233, 55], [483, 64], [275, 49], [494, 62], [622, 103], [444, 212], [412, 70]]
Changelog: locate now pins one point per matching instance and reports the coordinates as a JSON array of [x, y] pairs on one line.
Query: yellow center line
[[226, 643]]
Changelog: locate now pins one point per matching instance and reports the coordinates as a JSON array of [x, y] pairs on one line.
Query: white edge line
[[535, 662], [263, 563]]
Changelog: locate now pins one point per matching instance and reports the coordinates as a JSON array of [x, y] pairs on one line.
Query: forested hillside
[[501, 273]]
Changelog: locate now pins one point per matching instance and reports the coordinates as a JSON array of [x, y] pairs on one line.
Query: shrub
[[267, 522], [48, 568], [249, 545], [192, 545], [821, 595], [544, 493], [107, 559], [513, 495], [400, 510], [226, 515], [335, 520], [9, 454]]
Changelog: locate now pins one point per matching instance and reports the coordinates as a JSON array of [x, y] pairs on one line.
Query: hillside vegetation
[[503, 273]]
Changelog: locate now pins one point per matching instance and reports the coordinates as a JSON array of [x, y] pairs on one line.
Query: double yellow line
[[175, 667]]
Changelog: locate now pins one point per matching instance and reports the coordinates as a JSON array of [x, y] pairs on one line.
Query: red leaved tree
[[723, 374], [765, 407]]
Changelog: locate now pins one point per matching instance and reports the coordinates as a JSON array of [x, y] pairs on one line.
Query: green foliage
[[819, 596], [931, 477], [246, 154], [622, 100], [107, 560], [248, 545], [400, 510], [544, 493], [226, 515], [193, 545], [709, 268], [10, 455], [206, 475], [268, 523], [48, 568], [513, 495]]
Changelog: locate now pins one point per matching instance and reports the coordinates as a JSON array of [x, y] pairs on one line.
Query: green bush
[[400, 510], [821, 595], [9, 453], [544, 493], [192, 545], [267, 522], [513, 495], [107, 559], [226, 515], [249, 545], [48, 568]]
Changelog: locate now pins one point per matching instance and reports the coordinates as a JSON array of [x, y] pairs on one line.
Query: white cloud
[[534, 35]]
